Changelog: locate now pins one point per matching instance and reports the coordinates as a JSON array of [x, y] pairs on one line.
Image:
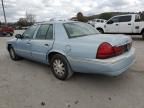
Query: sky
[[46, 9]]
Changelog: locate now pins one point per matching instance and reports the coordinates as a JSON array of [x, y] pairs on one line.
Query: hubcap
[[12, 53], [58, 67]]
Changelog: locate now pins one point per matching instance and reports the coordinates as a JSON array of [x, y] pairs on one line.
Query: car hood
[[113, 39]]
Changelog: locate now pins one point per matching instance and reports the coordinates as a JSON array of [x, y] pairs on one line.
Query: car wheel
[[143, 35], [60, 67], [11, 34], [100, 30], [13, 55]]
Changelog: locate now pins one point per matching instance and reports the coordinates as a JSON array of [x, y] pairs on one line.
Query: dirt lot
[[27, 84]]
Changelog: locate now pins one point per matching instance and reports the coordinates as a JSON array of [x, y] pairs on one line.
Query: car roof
[[55, 22], [125, 15]]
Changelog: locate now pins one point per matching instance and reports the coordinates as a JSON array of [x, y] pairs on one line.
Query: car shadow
[[5, 35], [137, 38]]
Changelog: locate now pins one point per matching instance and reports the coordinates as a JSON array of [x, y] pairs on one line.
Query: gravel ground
[[27, 84]]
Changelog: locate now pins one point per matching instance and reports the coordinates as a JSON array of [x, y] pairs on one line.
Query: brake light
[[106, 50], [118, 50]]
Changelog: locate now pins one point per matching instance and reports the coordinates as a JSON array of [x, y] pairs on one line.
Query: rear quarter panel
[[73, 48], [80, 50]]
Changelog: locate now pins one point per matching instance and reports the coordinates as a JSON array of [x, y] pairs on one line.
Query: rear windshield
[[79, 29]]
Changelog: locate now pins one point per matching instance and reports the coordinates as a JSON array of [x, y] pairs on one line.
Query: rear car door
[[112, 26], [125, 25], [42, 43], [23, 46]]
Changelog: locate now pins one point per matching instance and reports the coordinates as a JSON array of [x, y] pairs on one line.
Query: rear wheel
[[60, 67], [13, 55]]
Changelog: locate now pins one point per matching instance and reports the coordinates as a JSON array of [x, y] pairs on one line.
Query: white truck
[[95, 22], [125, 24]]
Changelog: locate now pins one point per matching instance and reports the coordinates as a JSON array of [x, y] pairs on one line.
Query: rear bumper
[[113, 67]]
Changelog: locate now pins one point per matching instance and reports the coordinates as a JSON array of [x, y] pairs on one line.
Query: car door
[[42, 43], [125, 25], [23, 46], [112, 26]]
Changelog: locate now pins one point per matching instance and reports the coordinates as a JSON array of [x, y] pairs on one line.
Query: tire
[[60, 67], [13, 55], [100, 30], [11, 34], [143, 34]]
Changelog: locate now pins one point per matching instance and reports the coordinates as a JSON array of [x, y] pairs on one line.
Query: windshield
[[79, 29]]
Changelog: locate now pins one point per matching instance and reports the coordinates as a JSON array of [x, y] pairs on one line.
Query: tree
[[105, 16], [30, 18], [81, 18], [22, 22]]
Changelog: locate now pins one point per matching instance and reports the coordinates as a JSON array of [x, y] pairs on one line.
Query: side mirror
[[18, 36], [110, 22]]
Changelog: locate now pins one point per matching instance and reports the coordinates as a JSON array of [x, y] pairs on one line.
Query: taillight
[[118, 50], [105, 50]]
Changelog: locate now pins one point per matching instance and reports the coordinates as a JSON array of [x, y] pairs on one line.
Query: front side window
[[30, 32], [125, 18], [113, 20], [79, 29]]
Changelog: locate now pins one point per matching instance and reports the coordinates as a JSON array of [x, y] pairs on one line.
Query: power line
[[4, 12]]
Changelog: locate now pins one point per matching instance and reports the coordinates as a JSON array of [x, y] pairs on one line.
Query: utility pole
[[4, 12]]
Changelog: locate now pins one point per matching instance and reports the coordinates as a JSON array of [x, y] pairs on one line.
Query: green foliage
[[81, 18], [105, 16]]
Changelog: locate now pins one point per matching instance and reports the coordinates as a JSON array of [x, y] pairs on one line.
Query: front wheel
[[100, 30], [13, 55], [60, 67]]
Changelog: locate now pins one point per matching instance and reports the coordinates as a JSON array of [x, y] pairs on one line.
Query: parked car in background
[[70, 46], [126, 24], [6, 30], [98, 22]]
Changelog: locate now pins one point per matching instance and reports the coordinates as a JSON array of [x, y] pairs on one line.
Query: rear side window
[[79, 29], [42, 32], [45, 32], [125, 18], [50, 32]]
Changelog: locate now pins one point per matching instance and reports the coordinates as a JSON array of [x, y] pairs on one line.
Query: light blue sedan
[[70, 47]]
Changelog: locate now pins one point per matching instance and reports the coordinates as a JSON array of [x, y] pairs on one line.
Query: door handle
[[129, 23], [117, 24], [46, 44]]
